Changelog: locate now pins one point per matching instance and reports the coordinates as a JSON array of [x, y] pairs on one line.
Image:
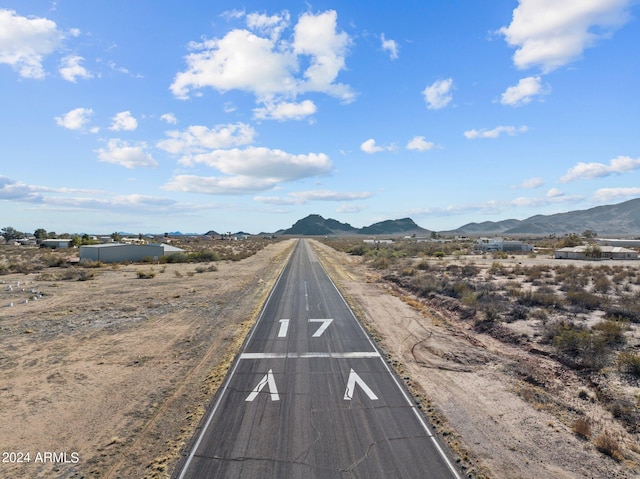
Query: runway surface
[[311, 397]]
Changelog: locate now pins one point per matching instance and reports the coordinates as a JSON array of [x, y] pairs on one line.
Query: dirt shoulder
[[481, 393], [114, 373]]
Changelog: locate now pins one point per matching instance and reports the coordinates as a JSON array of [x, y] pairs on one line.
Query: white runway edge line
[[185, 468], [411, 404]]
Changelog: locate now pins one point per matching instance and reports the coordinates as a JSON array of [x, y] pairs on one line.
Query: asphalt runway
[[310, 396]]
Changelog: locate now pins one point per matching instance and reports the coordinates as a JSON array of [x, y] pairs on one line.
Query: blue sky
[[154, 116]]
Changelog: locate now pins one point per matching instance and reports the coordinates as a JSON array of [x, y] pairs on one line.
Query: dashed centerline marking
[[347, 355]]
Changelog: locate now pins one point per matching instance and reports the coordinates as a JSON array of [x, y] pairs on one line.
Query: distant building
[[594, 254], [624, 243], [378, 241], [55, 243], [119, 252], [500, 244]]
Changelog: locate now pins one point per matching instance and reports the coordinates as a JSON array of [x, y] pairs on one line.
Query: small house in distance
[[500, 244], [120, 252], [595, 253], [55, 243]]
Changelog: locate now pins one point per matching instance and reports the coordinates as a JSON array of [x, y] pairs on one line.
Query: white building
[[598, 253], [500, 244], [119, 252]]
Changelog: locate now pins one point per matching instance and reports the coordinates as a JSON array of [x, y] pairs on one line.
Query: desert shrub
[[423, 265], [85, 275], [542, 299], [583, 299], [601, 284], [381, 262], [358, 250], [203, 256], [536, 272], [627, 308], [582, 427], [205, 269], [53, 260], [146, 274], [518, 313], [629, 363], [175, 258], [607, 444], [611, 332], [89, 263], [497, 268], [626, 412], [579, 347], [539, 314], [469, 270], [491, 312], [408, 272]]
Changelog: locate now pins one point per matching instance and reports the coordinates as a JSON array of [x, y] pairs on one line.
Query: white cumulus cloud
[[610, 194], [438, 95], [75, 119], [260, 162], [71, 69], [170, 118], [123, 121], [495, 132], [249, 170], [199, 139], [523, 92], [419, 143], [216, 185], [531, 183], [261, 63], [302, 197], [619, 165], [552, 33], [390, 46], [285, 110], [128, 155], [371, 147], [26, 41]]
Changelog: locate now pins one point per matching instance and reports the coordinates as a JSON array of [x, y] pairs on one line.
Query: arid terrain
[[116, 369]]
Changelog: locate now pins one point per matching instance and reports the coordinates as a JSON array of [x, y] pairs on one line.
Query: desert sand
[[113, 374]]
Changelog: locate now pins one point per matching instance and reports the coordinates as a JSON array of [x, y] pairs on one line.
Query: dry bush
[[602, 284], [609, 445], [146, 274], [582, 427], [584, 300]]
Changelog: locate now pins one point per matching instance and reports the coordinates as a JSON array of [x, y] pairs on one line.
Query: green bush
[[611, 332], [204, 256], [358, 250], [629, 363], [542, 299], [584, 300]]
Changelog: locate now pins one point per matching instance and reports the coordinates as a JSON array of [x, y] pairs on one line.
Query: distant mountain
[[389, 227], [488, 227], [622, 219], [316, 225]]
